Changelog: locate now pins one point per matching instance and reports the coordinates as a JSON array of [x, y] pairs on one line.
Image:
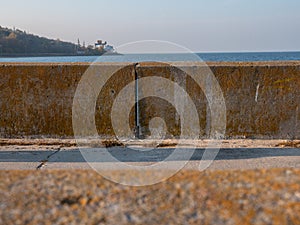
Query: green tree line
[[17, 42]]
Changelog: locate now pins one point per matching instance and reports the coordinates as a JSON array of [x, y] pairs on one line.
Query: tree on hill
[[17, 42]]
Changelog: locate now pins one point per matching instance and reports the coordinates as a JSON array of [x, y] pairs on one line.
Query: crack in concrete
[[44, 161]]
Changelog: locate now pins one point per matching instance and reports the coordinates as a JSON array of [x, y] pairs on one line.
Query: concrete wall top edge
[[222, 64], [215, 64], [3, 64]]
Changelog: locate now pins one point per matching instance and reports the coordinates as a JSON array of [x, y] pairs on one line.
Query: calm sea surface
[[227, 57]]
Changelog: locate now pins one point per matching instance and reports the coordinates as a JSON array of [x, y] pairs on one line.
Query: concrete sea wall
[[262, 99]]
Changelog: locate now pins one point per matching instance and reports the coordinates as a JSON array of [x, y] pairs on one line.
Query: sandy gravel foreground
[[269, 196]]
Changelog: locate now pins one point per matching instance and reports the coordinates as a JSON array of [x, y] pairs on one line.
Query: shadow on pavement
[[132, 155]]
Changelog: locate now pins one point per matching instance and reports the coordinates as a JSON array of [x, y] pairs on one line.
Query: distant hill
[[19, 43]]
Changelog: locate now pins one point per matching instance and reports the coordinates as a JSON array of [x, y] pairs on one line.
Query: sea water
[[217, 57]]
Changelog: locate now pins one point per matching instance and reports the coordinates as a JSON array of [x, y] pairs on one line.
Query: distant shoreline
[[52, 55]]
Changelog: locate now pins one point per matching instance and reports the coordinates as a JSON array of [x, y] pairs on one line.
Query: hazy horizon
[[199, 25]]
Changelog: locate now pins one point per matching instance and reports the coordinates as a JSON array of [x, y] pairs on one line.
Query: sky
[[199, 25]]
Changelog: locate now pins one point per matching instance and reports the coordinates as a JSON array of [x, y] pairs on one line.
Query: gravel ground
[[268, 196]]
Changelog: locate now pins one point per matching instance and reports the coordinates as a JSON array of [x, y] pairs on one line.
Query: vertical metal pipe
[[137, 110]]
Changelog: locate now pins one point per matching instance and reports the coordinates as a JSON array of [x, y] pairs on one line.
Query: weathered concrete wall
[[262, 99], [36, 99]]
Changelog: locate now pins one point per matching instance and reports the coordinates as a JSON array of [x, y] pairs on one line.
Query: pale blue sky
[[200, 25]]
